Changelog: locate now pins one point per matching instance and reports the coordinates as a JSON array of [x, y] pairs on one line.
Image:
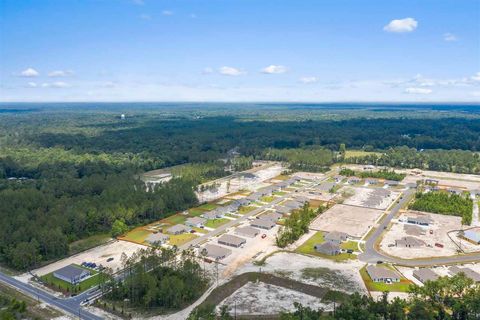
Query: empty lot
[[355, 221], [374, 198]]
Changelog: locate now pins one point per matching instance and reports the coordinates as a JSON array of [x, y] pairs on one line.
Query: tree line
[[380, 174]]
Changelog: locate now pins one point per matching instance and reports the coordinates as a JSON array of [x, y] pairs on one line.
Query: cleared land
[[374, 198], [355, 221]]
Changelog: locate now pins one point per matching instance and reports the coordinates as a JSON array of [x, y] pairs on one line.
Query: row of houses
[[424, 274]]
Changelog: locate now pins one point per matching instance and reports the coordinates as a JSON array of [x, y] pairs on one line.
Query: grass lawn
[[180, 239], [267, 199], [317, 238], [64, 286], [281, 177], [175, 219], [279, 193], [231, 216], [215, 223], [87, 243], [358, 153], [245, 209], [401, 286], [137, 235], [200, 230], [352, 245], [195, 212], [208, 206]]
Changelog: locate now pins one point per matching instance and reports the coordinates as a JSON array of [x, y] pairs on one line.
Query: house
[[409, 242], [213, 214], [231, 240], [282, 210], [157, 238], [178, 229], [423, 275], [301, 199], [272, 216], [243, 202], [431, 181], [411, 185], [254, 197], [292, 204], [72, 274], [418, 219], [338, 178], [455, 191], [378, 274], [368, 167], [247, 231], [371, 181], [328, 248], [353, 180], [195, 222], [469, 273], [391, 183], [216, 252], [263, 223], [472, 235], [336, 237]]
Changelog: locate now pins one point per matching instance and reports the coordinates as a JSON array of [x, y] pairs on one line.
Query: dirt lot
[[262, 298], [374, 198], [99, 255], [441, 226], [355, 221]]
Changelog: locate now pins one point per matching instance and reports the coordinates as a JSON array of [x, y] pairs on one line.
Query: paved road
[[372, 255], [69, 305], [232, 223]]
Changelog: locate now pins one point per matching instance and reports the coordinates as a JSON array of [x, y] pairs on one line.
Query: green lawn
[[401, 286], [359, 153], [60, 285], [180, 239], [200, 230], [279, 193], [215, 223], [267, 199], [231, 216], [137, 235], [317, 238], [245, 209], [349, 245], [195, 212], [175, 219], [208, 206]]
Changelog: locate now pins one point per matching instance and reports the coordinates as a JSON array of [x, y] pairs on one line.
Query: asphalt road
[[69, 305], [372, 255]]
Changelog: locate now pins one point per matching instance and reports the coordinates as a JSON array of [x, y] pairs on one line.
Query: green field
[[137, 235], [215, 223], [317, 238], [267, 199], [245, 209], [279, 193], [208, 206], [359, 153], [401, 286], [180, 239], [195, 212], [175, 219], [60, 285], [349, 245]]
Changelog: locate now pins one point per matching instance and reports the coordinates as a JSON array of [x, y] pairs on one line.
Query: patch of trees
[[303, 159], [296, 225], [11, 308], [157, 278], [454, 298], [459, 161], [444, 203], [381, 174]]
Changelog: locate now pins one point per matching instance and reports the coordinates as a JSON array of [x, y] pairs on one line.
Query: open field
[[401, 286], [355, 221], [359, 153], [215, 223], [181, 239]]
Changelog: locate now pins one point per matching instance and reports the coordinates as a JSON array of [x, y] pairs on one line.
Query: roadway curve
[[372, 254], [69, 305]]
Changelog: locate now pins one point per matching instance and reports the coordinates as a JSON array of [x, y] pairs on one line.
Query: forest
[[70, 172], [381, 174], [444, 203]]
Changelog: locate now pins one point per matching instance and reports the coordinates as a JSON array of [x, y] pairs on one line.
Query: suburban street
[[372, 255], [69, 305]]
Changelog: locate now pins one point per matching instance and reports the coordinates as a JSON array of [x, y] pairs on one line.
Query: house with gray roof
[[418, 219], [272, 216], [423, 275], [292, 204], [378, 274], [469, 273], [301, 199], [371, 181], [231, 240], [353, 180], [391, 183], [72, 274], [431, 181], [178, 229], [327, 248], [197, 222], [263, 223], [409, 242], [283, 210], [157, 238], [247, 231], [216, 252], [338, 178], [213, 214], [472, 235], [336, 237]]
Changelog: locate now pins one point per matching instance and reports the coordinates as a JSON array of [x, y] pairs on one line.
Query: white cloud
[[401, 25], [60, 73], [475, 77], [145, 16], [56, 84], [167, 13], [230, 71], [29, 73], [207, 70], [308, 80], [449, 37], [418, 91], [274, 69]]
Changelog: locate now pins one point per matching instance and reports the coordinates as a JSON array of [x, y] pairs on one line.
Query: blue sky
[[239, 50]]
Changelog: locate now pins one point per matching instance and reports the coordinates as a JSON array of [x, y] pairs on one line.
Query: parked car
[[264, 236], [439, 245], [109, 259]]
